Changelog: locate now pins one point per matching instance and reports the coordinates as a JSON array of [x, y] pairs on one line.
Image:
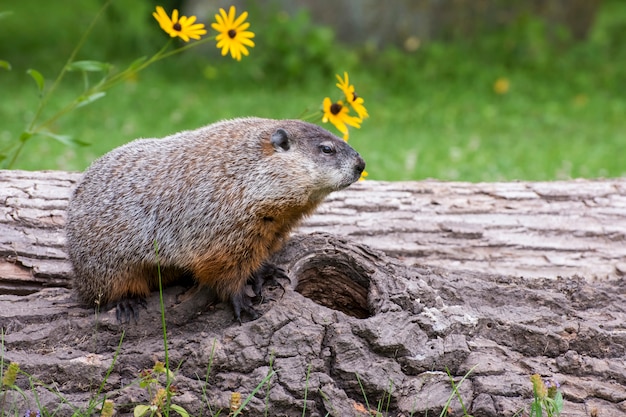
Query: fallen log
[[547, 229], [495, 282]]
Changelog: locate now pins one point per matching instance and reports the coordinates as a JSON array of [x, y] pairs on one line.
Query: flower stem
[[32, 125], [57, 81], [106, 83], [15, 155]]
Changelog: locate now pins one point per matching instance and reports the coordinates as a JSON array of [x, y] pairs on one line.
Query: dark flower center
[[354, 96], [335, 108], [232, 33], [177, 27]]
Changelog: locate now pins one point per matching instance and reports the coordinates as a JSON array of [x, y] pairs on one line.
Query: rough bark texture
[[503, 279], [546, 229]]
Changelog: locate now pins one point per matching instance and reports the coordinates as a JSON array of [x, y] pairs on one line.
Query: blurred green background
[[530, 100]]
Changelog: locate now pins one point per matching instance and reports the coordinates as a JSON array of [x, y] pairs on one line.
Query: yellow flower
[[184, 27], [337, 114], [233, 35], [352, 98], [501, 85]]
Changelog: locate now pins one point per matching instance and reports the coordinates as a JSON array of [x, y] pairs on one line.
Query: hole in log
[[335, 283]]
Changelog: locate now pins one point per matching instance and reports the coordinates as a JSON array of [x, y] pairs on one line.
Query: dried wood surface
[[349, 324], [536, 229], [456, 302], [529, 229]]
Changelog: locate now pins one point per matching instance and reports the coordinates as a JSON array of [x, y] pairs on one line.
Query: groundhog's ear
[[280, 140]]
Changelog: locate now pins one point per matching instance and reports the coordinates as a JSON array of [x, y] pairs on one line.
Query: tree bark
[[411, 291], [543, 229]]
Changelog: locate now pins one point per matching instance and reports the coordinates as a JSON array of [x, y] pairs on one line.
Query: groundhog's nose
[[359, 166]]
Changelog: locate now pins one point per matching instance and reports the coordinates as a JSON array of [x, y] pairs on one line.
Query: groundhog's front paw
[[266, 274], [241, 303], [128, 308]]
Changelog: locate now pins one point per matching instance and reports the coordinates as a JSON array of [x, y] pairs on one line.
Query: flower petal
[[246, 34], [164, 21], [231, 13], [240, 19], [247, 42]]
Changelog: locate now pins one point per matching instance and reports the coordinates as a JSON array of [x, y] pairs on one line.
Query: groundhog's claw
[[267, 273], [241, 303], [127, 308]]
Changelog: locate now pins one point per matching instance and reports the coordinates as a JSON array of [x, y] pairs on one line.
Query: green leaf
[[89, 66], [38, 78], [84, 100], [145, 383], [5, 64], [558, 402], [5, 14], [180, 410], [78, 142], [25, 136], [535, 409], [64, 139], [140, 410]]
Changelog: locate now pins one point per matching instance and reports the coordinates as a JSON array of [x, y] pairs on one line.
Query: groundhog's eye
[[329, 150]]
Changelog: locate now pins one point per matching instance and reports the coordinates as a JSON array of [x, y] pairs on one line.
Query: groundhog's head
[[330, 162]]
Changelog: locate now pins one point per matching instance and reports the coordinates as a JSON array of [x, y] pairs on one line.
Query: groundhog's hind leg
[[129, 293], [128, 308], [132, 291]]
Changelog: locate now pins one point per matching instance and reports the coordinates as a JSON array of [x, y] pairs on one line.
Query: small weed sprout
[[160, 392], [269, 386], [8, 377], [235, 403], [306, 389], [455, 393], [546, 397], [205, 397], [108, 409], [378, 412], [239, 410]]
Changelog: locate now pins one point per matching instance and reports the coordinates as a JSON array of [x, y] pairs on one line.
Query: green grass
[[434, 113]]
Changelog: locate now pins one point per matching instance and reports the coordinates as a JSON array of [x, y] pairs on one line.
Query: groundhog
[[217, 202]]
